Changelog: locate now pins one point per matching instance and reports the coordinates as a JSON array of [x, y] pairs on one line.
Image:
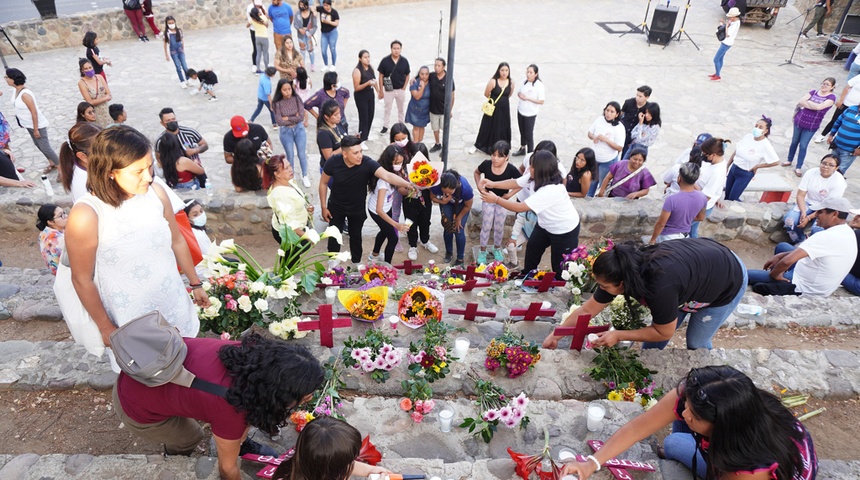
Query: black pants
[[527, 131], [365, 103], [7, 168], [836, 113], [386, 232], [254, 47], [356, 222], [419, 212], [560, 244]]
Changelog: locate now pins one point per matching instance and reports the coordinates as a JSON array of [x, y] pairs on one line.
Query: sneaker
[[804, 36], [306, 181], [374, 258], [258, 72], [188, 82], [384, 130], [274, 126], [458, 263], [254, 68], [159, 35], [413, 253], [716, 78], [482, 257], [364, 146], [213, 99], [430, 247], [140, 37], [250, 446], [520, 152], [333, 68], [473, 149], [183, 85], [436, 148], [498, 254], [821, 35], [448, 257], [820, 139]]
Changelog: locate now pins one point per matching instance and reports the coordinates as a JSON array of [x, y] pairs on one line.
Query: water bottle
[[747, 309], [209, 191], [49, 189]]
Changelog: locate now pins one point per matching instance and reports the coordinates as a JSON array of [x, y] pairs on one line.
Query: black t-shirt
[[687, 275], [437, 93], [7, 168], [630, 114], [256, 134], [399, 72], [333, 16], [92, 54], [208, 77], [329, 138], [486, 167], [348, 189], [855, 270]]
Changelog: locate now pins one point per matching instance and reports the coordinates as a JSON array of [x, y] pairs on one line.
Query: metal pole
[[449, 84]]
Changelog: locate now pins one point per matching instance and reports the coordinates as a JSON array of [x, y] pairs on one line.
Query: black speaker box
[[662, 24]]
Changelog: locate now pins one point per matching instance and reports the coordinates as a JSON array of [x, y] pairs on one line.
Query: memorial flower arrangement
[[287, 329], [381, 273], [326, 399], [237, 302], [371, 354], [417, 398], [495, 407], [626, 313], [512, 352], [423, 174], [428, 358], [624, 375], [526, 464], [496, 271], [576, 267], [367, 305], [420, 305], [336, 275]]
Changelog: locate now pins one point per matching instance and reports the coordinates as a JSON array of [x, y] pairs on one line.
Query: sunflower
[[500, 273], [372, 274], [539, 275], [425, 170]]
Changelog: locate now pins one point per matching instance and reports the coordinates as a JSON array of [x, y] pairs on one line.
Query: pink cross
[[271, 462], [469, 272], [580, 331], [545, 283], [471, 311], [618, 468], [408, 267], [469, 285], [531, 313], [326, 324]]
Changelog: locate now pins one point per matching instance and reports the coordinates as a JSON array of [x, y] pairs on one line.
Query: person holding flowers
[[290, 206], [498, 168], [454, 197], [380, 201]]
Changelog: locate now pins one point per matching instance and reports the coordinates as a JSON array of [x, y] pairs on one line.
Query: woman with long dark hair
[[379, 203], [712, 177], [418, 110], [704, 277], [86, 114], [364, 86], [330, 132], [454, 197], [305, 23], [754, 152], [95, 90], [497, 126], [179, 170], [51, 223], [645, 133], [288, 58], [723, 426], [259, 21], [608, 135], [246, 171], [582, 171], [291, 208], [293, 121], [418, 206], [531, 94], [73, 158]]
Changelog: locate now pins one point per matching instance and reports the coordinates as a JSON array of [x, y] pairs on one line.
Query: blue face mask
[[757, 132]]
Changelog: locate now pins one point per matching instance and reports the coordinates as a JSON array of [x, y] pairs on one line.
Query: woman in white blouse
[[608, 135], [531, 95]]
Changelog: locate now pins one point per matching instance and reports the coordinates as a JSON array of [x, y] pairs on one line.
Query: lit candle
[[461, 348]]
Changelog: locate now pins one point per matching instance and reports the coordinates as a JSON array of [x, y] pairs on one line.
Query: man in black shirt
[[240, 129], [437, 100], [350, 174], [393, 84], [630, 113]]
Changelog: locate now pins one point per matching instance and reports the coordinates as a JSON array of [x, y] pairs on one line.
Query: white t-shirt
[[818, 188], [535, 90], [751, 152], [712, 180], [831, 255], [525, 182], [853, 96], [732, 30], [79, 183], [386, 202], [555, 211], [602, 151]]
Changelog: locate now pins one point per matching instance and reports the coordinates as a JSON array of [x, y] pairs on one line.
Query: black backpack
[[721, 32]]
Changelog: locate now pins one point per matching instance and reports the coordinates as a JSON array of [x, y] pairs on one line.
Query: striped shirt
[[847, 128], [189, 138]]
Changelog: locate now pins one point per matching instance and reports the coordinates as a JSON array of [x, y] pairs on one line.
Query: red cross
[[580, 331], [271, 462], [408, 267], [469, 285], [323, 285], [531, 313], [545, 283], [469, 272], [326, 324], [618, 468], [471, 311]]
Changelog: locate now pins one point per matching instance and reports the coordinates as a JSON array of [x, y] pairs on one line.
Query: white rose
[[245, 303], [312, 236], [271, 291], [565, 275], [258, 287], [276, 328], [300, 334], [261, 304], [333, 232], [575, 291], [207, 286]]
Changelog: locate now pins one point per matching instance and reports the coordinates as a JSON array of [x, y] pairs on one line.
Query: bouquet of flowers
[[336, 275], [236, 303], [617, 367], [417, 398], [627, 313], [365, 306], [326, 400], [576, 267], [381, 274], [420, 305], [423, 174], [495, 407], [512, 352], [429, 358], [497, 271], [372, 354], [288, 328], [646, 396]]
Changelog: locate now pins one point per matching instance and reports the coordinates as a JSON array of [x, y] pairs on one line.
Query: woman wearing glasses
[[51, 225], [722, 426], [692, 276], [816, 185]]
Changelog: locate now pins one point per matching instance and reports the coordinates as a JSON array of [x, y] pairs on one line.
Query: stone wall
[[38, 35], [831, 21]]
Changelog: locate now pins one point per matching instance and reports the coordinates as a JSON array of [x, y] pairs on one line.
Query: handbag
[[489, 107], [721, 32], [188, 234], [386, 84], [131, 4]]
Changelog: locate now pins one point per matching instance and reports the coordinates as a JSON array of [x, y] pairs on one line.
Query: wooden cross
[[580, 331], [469, 285], [618, 468], [531, 313], [324, 285], [545, 283], [471, 311], [469, 272], [408, 267], [326, 324]]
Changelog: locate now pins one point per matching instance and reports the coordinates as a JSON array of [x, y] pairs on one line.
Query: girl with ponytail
[[73, 158]]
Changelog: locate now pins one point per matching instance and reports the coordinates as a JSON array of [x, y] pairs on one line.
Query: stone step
[[830, 374]]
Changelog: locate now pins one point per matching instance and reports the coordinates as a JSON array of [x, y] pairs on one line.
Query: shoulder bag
[[489, 107], [623, 180]]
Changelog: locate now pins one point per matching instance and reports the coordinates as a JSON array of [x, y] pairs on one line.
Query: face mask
[[337, 86], [397, 167], [200, 220], [757, 132], [172, 126], [90, 73], [401, 143], [171, 26]]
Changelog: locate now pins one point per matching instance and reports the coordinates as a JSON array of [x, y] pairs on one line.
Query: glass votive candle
[[393, 321], [461, 347], [446, 419], [596, 412], [330, 294]]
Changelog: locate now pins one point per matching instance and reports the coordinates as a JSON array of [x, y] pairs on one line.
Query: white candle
[[461, 347], [595, 416], [330, 294], [545, 305], [393, 321], [446, 418]]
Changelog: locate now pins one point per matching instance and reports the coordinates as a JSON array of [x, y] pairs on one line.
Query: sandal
[[798, 172], [785, 164], [50, 168]]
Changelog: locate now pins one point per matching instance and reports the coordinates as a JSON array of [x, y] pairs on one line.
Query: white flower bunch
[[287, 328]]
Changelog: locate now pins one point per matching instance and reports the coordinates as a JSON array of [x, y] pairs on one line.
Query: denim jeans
[[694, 228], [260, 104], [763, 276], [800, 138], [192, 184], [853, 71], [846, 158], [796, 233], [737, 182], [718, 58], [703, 324], [681, 446], [450, 211], [328, 41], [309, 54], [602, 172], [295, 135], [852, 284], [179, 63]]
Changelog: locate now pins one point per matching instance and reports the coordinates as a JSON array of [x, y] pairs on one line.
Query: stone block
[[842, 358], [733, 221], [75, 464], [18, 466]]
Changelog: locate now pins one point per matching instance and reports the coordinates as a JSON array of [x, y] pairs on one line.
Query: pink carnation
[[417, 417]]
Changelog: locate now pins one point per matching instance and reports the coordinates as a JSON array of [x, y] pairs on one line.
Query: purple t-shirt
[[641, 180], [811, 119], [683, 208]]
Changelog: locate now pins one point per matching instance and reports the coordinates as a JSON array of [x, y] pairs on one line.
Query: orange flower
[[406, 404]]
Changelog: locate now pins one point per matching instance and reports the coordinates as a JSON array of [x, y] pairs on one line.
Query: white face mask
[[397, 167], [171, 26], [200, 220], [401, 143]]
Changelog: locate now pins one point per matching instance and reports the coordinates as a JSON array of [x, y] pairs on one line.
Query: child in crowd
[[117, 113], [264, 96], [380, 201], [302, 84], [197, 218], [91, 41], [628, 178], [493, 216], [582, 171], [454, 196], [207, 79], [174, 48], [682, 208], [51, 225]]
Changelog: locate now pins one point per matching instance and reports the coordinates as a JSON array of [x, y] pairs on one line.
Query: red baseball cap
[[239, 126]]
